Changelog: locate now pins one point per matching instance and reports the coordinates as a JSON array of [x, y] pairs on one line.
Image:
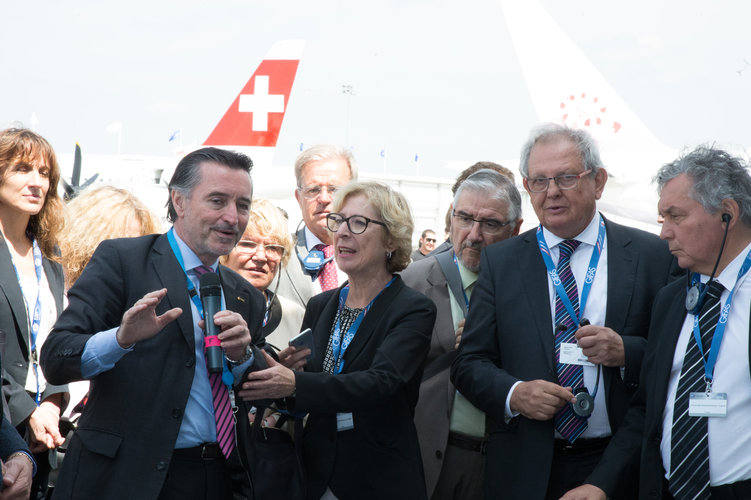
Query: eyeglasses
[[248, 247], [487, 226], [565, 182], [430, 240], [357, 224], [313, 192]]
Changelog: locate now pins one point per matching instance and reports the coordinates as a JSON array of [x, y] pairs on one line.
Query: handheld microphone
[[211, 299]]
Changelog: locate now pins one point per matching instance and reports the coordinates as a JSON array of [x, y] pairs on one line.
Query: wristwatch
[[245, 357]]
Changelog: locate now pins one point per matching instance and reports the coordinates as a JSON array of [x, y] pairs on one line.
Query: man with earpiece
[[319, 171], [687, 426], [556, 331]]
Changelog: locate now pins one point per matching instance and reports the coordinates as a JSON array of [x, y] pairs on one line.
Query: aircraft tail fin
[[254, 119], [566, 88]]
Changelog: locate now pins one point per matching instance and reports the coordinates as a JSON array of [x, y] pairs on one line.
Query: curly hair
[[18, 145], [101, 214], [393, 209]]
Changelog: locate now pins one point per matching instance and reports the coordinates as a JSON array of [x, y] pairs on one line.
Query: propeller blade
[[75, 179]]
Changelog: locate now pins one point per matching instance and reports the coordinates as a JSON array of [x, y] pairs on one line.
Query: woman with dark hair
[[31, 289], [370, 338]]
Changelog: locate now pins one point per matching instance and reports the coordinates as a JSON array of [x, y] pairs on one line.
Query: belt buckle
[[209, 451]]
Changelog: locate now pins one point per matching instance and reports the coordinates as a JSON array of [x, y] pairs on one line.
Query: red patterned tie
[[225, 434], [328, 273]]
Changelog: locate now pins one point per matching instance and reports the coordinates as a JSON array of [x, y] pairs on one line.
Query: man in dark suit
[[319, 170], [705, 203], [519, 360], [486, 209], [157, 424]]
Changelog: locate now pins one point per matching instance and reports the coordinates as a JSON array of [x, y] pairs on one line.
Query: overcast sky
[[439, 79]]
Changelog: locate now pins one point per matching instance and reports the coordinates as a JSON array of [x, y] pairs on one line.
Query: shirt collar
[[311, 239], [468, 277], [728, 275], [588, 236], [190, 259]]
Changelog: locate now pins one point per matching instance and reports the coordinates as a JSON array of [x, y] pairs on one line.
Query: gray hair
[[584, 142], [187, 175], [324, 152], [497, 187], [716, 176]]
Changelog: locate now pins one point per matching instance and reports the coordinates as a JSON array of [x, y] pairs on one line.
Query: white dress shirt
[[730, 436]]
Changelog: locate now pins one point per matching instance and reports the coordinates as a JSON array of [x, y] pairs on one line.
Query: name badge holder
[[708, 403]]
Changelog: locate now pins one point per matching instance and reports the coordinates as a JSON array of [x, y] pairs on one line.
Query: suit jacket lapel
[[173, 278], [325, 320], [621, 277], [668, 328], [12, 290], [535, 289], [439, 293], [371, 319], [238, 300]]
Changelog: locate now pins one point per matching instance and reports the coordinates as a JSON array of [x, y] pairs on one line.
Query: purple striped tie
[[566, 421], [225, 434]]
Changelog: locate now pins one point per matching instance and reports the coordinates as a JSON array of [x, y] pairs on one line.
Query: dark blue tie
[[568, 424]]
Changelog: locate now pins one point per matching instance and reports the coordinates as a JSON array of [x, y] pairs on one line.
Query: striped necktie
[[225, 432], [568, 424], [689, 452]]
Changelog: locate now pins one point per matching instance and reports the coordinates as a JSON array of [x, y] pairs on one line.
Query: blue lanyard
[[466, 300], [714, 349], [227, 376], [338, 344], [588, 280], [36, 320]]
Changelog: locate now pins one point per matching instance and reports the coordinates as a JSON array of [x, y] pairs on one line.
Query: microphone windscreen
[[210, 284]]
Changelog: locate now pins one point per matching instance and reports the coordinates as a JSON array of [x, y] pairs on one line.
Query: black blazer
[[10, 440], [508, 337], [380, 457], [127, 432], [637, 442], [14, 322]]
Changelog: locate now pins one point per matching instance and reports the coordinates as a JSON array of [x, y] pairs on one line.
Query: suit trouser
[[461, 475], [196, 478], [570, 468]]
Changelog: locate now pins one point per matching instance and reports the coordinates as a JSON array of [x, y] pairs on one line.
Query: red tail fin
[[255, 116]]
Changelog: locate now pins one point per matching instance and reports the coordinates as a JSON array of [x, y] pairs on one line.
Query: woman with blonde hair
[[371, 337], [101, 214], [265, 247], [32, 284]]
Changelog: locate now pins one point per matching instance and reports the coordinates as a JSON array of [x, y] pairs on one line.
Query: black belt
[[732, 491], [468, 443], [581, 446], [205, 451]]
